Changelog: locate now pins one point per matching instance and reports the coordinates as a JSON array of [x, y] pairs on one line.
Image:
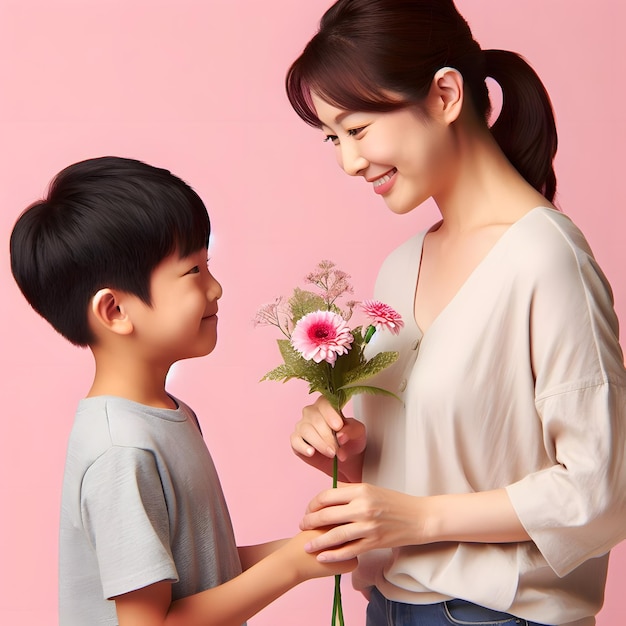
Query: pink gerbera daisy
[[322, 336], [382, 316]]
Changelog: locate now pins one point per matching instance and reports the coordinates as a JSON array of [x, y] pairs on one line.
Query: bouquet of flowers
[[320, 347]]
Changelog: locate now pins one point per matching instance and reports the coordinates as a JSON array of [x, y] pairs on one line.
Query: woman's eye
[[353, 132], [194, 270]]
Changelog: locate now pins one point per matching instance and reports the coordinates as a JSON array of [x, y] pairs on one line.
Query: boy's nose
[[214, 291]]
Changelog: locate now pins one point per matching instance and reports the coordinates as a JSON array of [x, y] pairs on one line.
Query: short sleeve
[[126, 519], [575, 509]]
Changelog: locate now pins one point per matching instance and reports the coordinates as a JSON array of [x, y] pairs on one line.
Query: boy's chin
[[199, 352], [206, 350]]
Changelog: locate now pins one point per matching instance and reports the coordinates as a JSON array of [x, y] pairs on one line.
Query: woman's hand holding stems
[[365, 517]]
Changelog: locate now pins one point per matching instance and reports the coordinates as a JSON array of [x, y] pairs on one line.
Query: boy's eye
[[332, 138], [194, 270]]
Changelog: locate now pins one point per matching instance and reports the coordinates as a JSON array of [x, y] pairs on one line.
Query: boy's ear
[[447, 93], [109, 312]]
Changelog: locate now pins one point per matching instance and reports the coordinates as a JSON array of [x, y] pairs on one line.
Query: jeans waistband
[[463, 610]]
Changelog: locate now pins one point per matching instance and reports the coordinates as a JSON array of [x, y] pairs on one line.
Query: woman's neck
[[484, 188]]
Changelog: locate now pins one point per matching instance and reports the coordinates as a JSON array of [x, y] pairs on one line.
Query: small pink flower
[[267, 315], [332, 282], [322, 336], [382, 316], [277, 313]]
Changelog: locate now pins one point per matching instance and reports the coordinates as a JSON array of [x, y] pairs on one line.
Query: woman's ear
[[446, 94], [109, 313]]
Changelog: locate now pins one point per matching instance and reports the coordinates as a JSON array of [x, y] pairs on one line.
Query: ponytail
[[525, 129]]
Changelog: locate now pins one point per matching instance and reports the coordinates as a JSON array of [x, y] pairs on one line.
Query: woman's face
[[403, 154]]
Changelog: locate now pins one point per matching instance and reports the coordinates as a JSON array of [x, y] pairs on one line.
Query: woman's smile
[[384, 184]]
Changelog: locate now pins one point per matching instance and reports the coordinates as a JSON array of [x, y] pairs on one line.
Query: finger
[[300, 446], [324, 419], [339, 538], [345, 553], [324, 442], [332, 516], [352, 429], [331, 417], [331, 498]]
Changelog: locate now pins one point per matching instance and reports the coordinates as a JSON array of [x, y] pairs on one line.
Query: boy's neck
[[132, 380]]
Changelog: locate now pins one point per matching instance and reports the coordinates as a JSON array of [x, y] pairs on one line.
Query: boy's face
[[182, 321]]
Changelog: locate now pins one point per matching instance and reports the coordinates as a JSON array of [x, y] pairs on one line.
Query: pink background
[[197, 87]]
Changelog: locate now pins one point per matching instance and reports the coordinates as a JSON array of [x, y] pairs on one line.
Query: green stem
[[337, 604]]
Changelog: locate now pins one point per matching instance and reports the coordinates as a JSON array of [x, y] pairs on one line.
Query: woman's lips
[[383, 184]]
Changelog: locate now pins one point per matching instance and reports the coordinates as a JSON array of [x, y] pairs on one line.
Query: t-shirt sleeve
[[125, 516], [575, 509]]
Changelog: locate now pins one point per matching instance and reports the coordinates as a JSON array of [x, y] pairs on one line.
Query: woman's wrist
[[483, 517]]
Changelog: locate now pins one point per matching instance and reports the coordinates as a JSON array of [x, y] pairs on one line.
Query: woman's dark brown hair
[[365, 49]]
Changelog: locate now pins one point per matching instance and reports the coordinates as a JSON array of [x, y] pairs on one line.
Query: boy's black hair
[[106, 222]]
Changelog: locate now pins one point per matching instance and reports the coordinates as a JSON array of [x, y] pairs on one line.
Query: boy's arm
[[235, 601], [250, 555]]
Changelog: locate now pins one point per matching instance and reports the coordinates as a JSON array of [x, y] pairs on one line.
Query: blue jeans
[[383, 612]]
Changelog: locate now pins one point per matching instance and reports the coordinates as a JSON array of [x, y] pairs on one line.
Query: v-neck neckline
[[470, 278]]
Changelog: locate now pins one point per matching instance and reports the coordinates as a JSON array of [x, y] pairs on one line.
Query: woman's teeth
[[383, 179]]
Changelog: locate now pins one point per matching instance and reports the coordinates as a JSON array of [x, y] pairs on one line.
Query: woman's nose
[[351, 160]]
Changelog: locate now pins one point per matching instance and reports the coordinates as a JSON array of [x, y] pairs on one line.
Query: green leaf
[[367, 369], [282, 372], [337, 400], [303, 302], [314, 373], [376, 391]]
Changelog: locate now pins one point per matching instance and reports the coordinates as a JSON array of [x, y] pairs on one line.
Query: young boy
[[115, 258]]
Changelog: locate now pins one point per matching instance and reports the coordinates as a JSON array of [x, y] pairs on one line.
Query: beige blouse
[[518, 383]]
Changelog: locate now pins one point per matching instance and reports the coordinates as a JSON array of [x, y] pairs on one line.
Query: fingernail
[[310, 451], [330, 452], [322, 557], [307, 547]]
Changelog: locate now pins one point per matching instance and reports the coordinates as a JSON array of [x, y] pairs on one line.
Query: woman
[[493, 491]]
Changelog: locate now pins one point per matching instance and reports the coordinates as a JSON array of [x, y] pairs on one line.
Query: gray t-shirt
[[141, 503]]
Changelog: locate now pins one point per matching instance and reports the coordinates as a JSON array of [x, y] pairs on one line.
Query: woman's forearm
[[484, 517]]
